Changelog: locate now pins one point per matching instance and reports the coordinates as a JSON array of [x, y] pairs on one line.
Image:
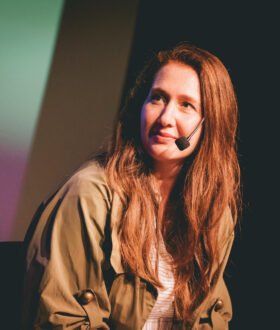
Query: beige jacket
[[74, 275]]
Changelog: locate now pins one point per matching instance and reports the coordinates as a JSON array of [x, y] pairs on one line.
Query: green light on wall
[[28, 31]]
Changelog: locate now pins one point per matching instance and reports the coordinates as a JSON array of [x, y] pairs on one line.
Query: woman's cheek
[[143, 123]]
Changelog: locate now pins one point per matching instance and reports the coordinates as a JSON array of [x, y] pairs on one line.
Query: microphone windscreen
[[182, 143]]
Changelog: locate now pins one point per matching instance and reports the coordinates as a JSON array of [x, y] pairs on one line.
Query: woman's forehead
[[178, 79]]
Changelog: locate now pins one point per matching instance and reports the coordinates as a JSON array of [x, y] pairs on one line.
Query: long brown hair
[[209, 182]]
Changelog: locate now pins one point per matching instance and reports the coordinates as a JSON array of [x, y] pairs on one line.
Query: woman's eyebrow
[[160, 91]]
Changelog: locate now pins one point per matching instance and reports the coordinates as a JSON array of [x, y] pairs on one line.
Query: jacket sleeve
[[64, 284], [216, 311]]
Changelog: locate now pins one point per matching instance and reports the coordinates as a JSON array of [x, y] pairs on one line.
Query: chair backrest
[[11, 283]]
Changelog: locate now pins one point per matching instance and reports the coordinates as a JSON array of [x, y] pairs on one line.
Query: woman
[[139, 239]]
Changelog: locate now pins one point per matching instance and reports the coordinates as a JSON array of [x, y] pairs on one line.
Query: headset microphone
[[184, 142]]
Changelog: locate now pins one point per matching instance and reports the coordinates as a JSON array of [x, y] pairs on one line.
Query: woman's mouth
[[162, 136]]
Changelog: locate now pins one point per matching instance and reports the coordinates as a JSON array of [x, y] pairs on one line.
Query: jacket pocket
[[132, 300]]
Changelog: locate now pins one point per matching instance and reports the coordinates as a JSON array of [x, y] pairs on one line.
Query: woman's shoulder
[[89, 179], [84, 195]]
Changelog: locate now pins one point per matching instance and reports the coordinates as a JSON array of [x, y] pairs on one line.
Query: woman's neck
[[166, 176]]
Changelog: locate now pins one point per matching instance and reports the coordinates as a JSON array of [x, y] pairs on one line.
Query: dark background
[[243, 36]]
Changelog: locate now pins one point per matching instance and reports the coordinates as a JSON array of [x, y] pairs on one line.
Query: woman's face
[[171, 110]]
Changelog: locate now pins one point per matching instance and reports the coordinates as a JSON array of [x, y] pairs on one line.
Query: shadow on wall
[[82, 96]]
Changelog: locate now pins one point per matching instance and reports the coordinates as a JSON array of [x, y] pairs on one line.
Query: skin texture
[[172, 109]]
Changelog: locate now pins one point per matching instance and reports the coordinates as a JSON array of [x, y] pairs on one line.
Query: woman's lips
[[163, 136]]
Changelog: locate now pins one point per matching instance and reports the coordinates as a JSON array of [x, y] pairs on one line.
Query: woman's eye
[[155, 98], [187, 106]]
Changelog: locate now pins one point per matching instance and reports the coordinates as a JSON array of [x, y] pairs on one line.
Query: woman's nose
[[167, 115]]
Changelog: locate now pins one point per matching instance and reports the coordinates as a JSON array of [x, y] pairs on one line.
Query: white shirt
[[161, 316]]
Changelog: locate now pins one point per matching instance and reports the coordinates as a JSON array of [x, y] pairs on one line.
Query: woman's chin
[[164, 155], [167, 153]]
